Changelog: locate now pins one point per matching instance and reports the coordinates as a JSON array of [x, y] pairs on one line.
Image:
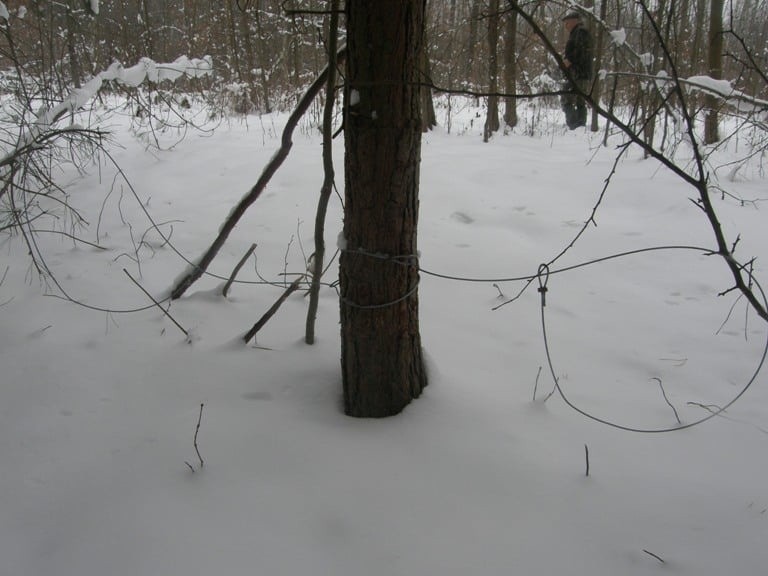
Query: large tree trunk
[[381, 357]]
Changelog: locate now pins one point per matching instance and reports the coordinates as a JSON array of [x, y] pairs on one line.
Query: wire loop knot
[[543, 277]]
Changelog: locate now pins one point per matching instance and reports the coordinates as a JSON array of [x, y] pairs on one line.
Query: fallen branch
[[270, 169], [274, 308]]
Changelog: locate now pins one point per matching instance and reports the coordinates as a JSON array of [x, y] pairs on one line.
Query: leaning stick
[[269, 170], [237, 269], [271, 312]]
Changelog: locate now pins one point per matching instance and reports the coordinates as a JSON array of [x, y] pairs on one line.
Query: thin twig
[[659, 558], [72, 236], [179, 326], [586, 456], [197, 429], [663, 393], [536, 384]]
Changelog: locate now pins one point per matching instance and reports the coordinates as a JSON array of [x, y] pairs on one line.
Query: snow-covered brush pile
[[40, 136], [146, 70]]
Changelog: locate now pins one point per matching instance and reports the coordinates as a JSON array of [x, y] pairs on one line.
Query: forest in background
[[266, 51]]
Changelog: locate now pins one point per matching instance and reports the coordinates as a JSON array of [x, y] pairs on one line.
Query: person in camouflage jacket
[[578, 61]]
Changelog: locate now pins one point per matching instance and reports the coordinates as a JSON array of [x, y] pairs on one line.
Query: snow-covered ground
[[98, 409]]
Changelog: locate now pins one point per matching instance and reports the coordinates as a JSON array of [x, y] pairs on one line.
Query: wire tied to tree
[[543, 277], [408, 260], [402, 298]]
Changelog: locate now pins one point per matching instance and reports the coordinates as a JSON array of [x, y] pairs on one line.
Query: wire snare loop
[[543, 277]]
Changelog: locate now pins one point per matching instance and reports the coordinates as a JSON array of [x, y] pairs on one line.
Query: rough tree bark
[[381, 356]]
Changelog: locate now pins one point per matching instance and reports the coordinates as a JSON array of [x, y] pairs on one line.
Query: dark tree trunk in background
[[149, 43], [250, 59], [232, 34], [492, 119], [597, 86], [381, 356], [74, 58], [266, 106], [715, 63], [428, 115], [510, 69], [474, 20]]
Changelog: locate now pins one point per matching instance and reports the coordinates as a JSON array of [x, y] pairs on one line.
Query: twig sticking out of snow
[[197, 450], [273, 309], [659, 558], [240, 264], [664, 393], [586, 457]]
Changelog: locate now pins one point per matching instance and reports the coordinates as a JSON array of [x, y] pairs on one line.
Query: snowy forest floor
[[98, 409]]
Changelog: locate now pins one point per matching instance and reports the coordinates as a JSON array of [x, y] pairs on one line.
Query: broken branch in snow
[[197, 269], [237, 269], [274, 308]]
